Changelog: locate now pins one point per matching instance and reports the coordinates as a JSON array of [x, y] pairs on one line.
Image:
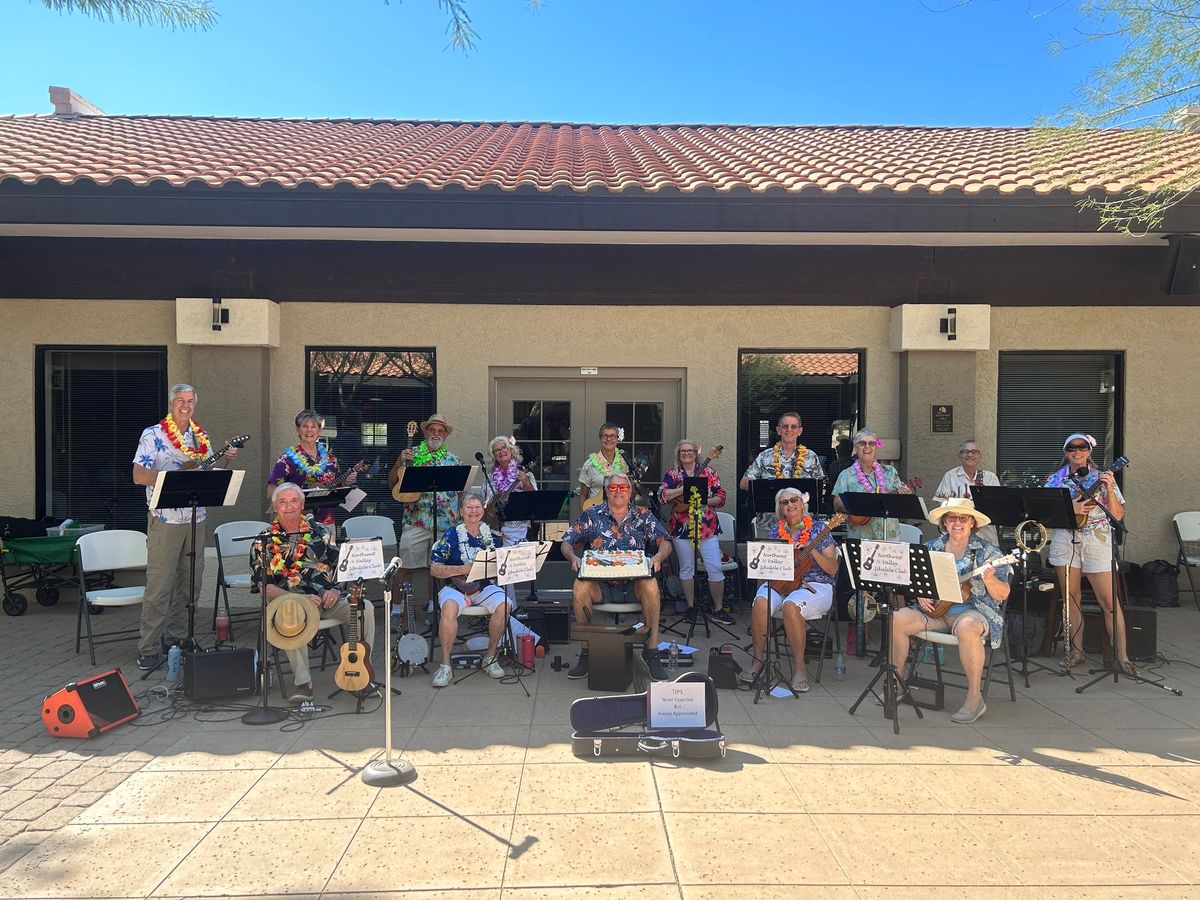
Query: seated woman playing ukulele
[[811, 598], [975, 620]]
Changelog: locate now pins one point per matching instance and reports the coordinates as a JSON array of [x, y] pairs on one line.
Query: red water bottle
[[526, 642], [222, 623]]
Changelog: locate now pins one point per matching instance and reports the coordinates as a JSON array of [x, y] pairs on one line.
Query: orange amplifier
[[91, 706]]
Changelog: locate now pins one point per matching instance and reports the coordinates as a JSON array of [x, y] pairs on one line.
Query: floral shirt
[[815, 575], [286, 469], [978, 553], [877, 529], [1097, 521], [594, 470], [318, 567], [154, 452], [458, 547], [598, 529], [763, 466], [679, 524], [421, 513]]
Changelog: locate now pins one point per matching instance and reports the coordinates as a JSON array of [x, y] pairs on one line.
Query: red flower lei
[[802, 538], [175, 439], [277, 565]]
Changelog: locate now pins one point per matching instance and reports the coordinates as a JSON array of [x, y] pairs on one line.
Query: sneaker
[[301, 692], [443, 676], [581, 666], [146, 663], [654, 664], [749, 676], [722, 617], [492, 667], [966, 716]]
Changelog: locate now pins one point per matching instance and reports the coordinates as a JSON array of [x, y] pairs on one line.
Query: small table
[[610, 654]]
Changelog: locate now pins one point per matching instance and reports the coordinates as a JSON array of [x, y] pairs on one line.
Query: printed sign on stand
[[360, 558], [516, 563], [885, 561], [770, 561]]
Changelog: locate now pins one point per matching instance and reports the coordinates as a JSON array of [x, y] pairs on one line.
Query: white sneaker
[[492, 667], [443, 676]]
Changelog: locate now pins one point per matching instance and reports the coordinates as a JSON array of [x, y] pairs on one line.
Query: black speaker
[[221, 673], [1141, 632], [1182, 275]]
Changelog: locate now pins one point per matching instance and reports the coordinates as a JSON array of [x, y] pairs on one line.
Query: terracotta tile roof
[[548, 157], [839, 364]]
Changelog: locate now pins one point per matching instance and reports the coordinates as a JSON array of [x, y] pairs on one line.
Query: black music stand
[[1011, 506], [322, 498], [537, 507], [885, 506], [190, 489], [434, 480], [921, 584], [763, 491]]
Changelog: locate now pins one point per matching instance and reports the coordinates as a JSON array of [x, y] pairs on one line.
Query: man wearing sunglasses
[[617, 524]]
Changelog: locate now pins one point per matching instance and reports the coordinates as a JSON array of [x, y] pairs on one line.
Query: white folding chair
[[727, 537], [228, 549], [1187, 532], [910, 534], [107, 551], [371, 527]]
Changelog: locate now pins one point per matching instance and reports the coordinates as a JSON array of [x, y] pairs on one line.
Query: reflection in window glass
[[642, 446], [542, 429]]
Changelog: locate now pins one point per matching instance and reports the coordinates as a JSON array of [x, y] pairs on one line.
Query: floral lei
[[502, 481], [618, 464], [277, 565], [422, 456], [297, 456], [877, 471], [802, 538], [777, 458], [464, 541], [202, 451]]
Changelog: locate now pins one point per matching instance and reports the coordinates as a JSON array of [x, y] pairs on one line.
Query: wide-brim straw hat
[[292, 621], [440, 420], [959, 505]]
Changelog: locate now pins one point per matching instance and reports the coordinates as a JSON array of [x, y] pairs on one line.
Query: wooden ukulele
[[912, 484], [208, 462], [802, 557], [407, 496], [359, 467], [354, 672], [941, 607], [1118, 464], [491, 512], [679, 504]]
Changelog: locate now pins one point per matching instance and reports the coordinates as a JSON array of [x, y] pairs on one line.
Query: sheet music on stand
[[346, 498], [488, 563]]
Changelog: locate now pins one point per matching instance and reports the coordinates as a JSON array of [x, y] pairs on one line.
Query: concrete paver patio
[[1056, 795]]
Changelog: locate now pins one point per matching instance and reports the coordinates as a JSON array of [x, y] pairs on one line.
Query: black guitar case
[[616, 726]]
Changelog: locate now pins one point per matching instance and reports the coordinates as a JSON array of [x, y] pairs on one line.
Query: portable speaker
[[557, 623], [221, 673], [86, 708], [1141, 632], [723, 669]]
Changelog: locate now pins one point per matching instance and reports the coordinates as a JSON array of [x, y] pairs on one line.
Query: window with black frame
[[1043, 397], [367, 398], [93, 404], [824, 387]]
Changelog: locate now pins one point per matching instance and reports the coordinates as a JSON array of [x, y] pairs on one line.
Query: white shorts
[[710, 551], [489, 598], [813, 604], [415, 544], [1090, 553]]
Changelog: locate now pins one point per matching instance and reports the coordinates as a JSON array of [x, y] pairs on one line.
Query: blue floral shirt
[[877, 529], [598, 529], [978, 553], [1097, 521], [154, 452]]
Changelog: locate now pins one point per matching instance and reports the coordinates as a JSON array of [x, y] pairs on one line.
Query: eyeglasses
[[970, 452], [952, 518], [608, 436], [684, 450], [792, 501], [790, 427], [867, 444], [1077, 448], [618, 489]]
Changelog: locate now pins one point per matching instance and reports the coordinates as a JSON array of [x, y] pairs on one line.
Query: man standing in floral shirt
[[301, 558], [416, 535]]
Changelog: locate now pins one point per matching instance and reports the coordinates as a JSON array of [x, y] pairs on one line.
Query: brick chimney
[[68, 103]]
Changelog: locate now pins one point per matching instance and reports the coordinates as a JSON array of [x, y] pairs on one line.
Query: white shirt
[[957, 483], [155, 453]]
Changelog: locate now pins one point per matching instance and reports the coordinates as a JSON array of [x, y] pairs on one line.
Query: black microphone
[[479, 458], [393, 566], [1081, 473]]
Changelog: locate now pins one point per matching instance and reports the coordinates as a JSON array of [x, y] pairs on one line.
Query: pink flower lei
[[502, 481], [877, 471]]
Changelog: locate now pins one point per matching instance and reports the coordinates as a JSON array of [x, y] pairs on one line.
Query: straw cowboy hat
[[959, 505], [292, 621], [440, 420]]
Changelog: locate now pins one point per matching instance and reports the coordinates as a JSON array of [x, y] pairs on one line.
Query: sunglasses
[[951, 518], [971, 452], [867, 444], [792, 501], [1077, 448], [618, 489]]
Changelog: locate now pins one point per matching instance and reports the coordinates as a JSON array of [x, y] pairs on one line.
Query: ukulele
[[678, 505], [208, 462], [941, 607], [802, 557], [491, 512], [407, 496], [1118, 464], [354, 671], [361, 466], [912, 484], [411, 649]]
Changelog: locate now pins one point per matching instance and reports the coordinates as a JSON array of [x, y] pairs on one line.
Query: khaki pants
[[168, 572], [341, 612]]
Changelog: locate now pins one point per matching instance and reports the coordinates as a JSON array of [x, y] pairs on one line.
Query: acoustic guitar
[[1118, 464], [941, 607], [679, 504], [802, 559], [354, 671], [208, 462], [407, 496], [912, 484]]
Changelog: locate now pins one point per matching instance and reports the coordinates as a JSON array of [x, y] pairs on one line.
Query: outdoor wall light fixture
[[220, 315], [949, 326]]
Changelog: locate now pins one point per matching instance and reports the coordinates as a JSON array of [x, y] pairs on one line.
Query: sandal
[[1072, 659], [1128, 667], [800, 684]]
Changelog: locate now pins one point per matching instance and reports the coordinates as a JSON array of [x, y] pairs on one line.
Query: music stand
[[881, 506], [763, 491], [923, 581], [190, 489], [1011, 506], [537, 507], [322, 498], [435, 480]]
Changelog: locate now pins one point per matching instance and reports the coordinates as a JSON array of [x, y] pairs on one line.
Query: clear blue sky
[[628, 61]]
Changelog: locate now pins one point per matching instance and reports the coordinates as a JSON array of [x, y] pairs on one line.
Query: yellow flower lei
[[202, 451], [777, 459]]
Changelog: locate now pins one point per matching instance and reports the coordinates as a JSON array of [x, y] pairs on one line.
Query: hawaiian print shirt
[[877, 529], [450, 550], [318, 572], [598, 529], [155, 453], [678, 525], [1097, 521], [285, 469], [815, 575], [594, 470], [978, 553], [421, 514], [763, 466]]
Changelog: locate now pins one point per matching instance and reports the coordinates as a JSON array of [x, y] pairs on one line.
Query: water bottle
[[173, 658], [839, 668], [222, 623], [673, 657]]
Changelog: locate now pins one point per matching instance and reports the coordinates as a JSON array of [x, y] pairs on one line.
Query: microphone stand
[[387, 772], [1114, 664]]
